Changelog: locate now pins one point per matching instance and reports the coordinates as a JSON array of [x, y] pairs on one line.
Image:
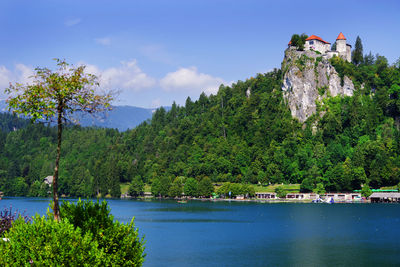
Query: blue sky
[[157, 52]]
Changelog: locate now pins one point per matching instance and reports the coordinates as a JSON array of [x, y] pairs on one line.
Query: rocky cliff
[[309, 77]]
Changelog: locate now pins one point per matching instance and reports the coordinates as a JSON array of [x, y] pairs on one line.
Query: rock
[[309, 77]]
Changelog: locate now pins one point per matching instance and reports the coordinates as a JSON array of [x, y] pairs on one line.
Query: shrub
[[7, 217], [86, 235], [120, 242], [280, 192], [46, 242]]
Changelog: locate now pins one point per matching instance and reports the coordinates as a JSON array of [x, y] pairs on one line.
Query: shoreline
[[306, 201]]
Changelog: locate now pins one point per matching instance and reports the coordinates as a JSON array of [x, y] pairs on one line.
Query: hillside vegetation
[[243, 134]]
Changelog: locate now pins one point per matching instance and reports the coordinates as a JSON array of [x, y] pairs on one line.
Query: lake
[[203, 233]]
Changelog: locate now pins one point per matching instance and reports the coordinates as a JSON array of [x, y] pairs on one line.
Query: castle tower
[[343, 48]]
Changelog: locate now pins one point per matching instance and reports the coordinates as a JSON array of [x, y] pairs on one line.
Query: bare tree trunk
[[56, 206]]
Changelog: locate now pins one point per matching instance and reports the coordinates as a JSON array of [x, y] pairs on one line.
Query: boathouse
[[385, 197]]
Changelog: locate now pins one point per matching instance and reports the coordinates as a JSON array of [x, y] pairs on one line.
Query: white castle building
[[316, 43]]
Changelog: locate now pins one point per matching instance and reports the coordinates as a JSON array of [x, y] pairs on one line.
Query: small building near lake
[[265, 195], [48, 180], [378, 197], [301, 196], [342, 197]]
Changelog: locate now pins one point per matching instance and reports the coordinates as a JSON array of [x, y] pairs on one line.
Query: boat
[[330, 200], [317, 200]]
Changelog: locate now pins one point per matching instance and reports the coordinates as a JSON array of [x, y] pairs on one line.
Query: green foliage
[[206, 188], [333, 48], [86, 235], [176, 188], [45, 242], [244, 134], [280, 192], [231, 190], [120, 242], [343, 68], [57, 94], [299, 41], [89, 216], [136, 188], [319, 189], [322, 90], [7, 218], [301, 61], [366, 191], [191, 187], [357, 54]]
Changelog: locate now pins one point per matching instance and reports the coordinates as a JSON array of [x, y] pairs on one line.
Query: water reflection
[[187, 221], [193, 209]]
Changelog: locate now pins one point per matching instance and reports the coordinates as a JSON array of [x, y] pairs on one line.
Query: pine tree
[[333, 48], [357, 55]]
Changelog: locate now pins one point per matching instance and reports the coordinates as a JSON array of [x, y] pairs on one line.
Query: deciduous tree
[[57, 95]]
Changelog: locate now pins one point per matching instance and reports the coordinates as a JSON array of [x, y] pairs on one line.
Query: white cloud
[[128, 76], [21, 74], [103, 41], [72, 22], [189, 79], [5, 78], [24, 73]]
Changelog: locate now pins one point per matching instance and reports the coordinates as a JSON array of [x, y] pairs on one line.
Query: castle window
[[311, 42]]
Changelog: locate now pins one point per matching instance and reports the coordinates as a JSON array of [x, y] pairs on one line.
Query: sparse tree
[[299, 41], [357, 55], [57, 95]]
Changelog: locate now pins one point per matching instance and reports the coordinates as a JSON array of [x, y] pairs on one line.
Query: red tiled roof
[[290, 42], [341, 37], [314, 37]]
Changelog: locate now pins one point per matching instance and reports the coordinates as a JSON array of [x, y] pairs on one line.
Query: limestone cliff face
[[308, 77]]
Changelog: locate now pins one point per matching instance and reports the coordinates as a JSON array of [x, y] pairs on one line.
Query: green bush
[[280, 192], [45, 242], [89, 216], [86, 235], [120, 242]]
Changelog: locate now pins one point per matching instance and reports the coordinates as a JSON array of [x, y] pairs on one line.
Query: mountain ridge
[[120, 117]]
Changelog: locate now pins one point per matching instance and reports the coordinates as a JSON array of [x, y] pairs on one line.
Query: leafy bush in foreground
[[7, 217], [120, 242], [45, 242], [87, 235]]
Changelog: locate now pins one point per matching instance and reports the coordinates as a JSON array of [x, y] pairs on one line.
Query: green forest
[[243, 135]]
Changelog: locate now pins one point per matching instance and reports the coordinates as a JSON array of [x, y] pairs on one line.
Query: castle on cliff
[[316, 43]]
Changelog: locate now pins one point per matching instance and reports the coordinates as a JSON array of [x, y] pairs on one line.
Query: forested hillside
[[243, 134]]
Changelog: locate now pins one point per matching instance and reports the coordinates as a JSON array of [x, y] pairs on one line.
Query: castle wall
[[316, 46], [341, 47], [348, 53], [330, 54]]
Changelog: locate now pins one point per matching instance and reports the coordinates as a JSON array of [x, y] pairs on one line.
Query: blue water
[[255, 234]]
